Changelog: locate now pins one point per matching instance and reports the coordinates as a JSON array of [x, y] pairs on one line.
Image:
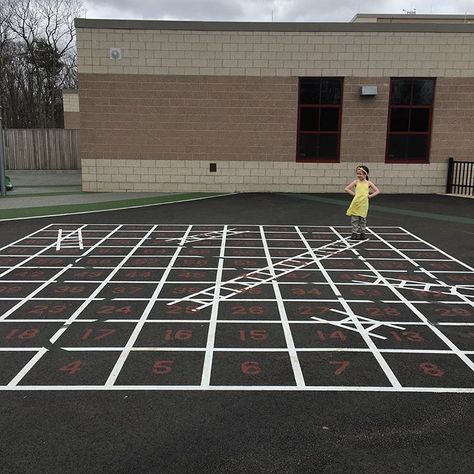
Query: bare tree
[[37, 59]]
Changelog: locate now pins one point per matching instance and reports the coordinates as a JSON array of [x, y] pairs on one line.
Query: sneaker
[[363, 236], [353, 236]]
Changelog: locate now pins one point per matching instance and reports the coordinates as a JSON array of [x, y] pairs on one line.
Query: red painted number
[[343, 364], [412, 336], [181, 335], [72, 368], [431, 369], [162, 367], [113, 309], [97, 334], [22, 335], [254, 334], [243, 310], [334, 335], [250, 368]]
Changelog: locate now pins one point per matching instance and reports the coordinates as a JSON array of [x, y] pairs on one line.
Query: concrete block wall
[[276, 53], [255, 176], [72, 118]]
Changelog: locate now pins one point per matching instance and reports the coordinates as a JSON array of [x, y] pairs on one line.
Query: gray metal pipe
[[3, 187]]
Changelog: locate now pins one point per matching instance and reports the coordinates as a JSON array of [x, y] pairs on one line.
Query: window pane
[[417, 146], [309, 119], [328, 145], [329, 119], [309, 91], [318, 145], [309, 145], [331, 91], [406, 147], [399, 120], [401, 91], [420, 120], [396, 147], [423, 91]]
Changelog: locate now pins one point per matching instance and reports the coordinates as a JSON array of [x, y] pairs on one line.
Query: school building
[[287, 107]]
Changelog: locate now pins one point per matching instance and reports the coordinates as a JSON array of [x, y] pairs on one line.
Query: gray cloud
[[261, 10]]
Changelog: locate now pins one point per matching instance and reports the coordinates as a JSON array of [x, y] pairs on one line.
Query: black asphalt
[[236, 431]]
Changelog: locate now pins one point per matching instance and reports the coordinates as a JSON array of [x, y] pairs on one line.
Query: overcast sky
[[261, 10]]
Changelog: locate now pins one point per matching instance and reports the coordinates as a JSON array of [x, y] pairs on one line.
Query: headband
[[359, 168]]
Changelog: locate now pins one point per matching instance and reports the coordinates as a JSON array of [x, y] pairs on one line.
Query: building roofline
[[421, 16], [271, 27]]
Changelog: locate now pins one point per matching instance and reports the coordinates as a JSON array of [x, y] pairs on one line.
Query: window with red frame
[[319, 119], [409, 120]]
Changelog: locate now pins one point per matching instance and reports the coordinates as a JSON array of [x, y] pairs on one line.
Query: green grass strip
[[100, 206], [388, 210]]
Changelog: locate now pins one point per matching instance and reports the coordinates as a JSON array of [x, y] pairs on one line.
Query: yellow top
[[360, 203]]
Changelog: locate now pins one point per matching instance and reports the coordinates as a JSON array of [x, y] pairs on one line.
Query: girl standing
[[364, 190]]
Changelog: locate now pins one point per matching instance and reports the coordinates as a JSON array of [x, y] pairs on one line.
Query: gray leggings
[[358, 224]]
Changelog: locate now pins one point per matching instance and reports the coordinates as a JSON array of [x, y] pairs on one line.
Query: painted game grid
[[233, 307]]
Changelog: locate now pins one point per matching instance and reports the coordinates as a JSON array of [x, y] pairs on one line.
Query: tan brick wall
[[188, 117], [453, 120], [259, 53], [364, 120], [258, 176], [72, 120], [225, 118]]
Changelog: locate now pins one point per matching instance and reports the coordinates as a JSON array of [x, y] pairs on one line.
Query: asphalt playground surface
[[241, 430]]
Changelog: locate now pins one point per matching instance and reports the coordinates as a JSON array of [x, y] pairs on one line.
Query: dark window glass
[[309, 145], [316, 145], [309, 119], [420, 120], [329, 119], [416, 146], [310, 91], [319, 118], [423, 91], [410, 112], [401, 91], [407, 147], [328, 145], [330, 91], [399, 120]]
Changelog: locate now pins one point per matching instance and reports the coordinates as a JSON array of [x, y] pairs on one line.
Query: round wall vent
[[115, 53]]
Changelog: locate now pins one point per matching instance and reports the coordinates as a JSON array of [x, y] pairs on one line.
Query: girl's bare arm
[[375, 190], [349, 187]]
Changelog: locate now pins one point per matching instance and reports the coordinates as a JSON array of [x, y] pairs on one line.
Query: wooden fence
[[42, 149]]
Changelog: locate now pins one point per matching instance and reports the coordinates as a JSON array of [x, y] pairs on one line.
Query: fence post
[[449, 182], [3, 189]]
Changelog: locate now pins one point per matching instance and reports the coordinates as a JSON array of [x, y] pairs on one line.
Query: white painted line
[[26, 237], [295, 363], [243, 388], [19, 376], [344, 323], [136, 332], [116, 209], [263, 275], [31, 257], [69, 321], [58, 242], [375, 350], [211, 336], [415, 310], [33, 293]]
